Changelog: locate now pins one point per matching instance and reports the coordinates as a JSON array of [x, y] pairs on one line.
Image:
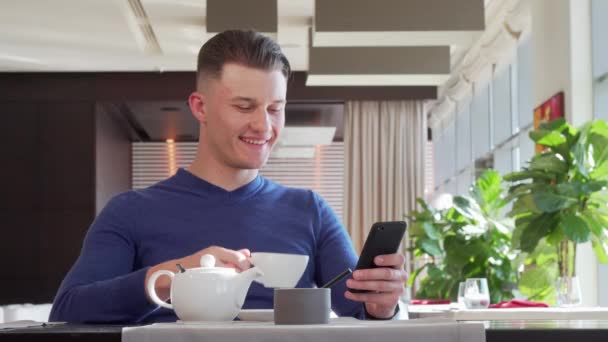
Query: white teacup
[[279, 270]]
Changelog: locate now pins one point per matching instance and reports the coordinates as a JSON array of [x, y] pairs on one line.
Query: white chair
[[25, 312]]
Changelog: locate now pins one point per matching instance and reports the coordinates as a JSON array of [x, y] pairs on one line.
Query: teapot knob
[[207, 260]]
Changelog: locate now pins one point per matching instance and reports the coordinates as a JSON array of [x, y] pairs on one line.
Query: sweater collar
[[204, 188]]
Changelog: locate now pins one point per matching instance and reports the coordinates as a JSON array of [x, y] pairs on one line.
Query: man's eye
[[275, 110], [244, 108]]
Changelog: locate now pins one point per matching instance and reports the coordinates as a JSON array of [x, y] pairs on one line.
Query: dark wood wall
[[48, 174], [47, 192]]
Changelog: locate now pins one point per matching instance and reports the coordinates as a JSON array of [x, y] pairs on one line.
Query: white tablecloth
[[574, 313], [338, 330]]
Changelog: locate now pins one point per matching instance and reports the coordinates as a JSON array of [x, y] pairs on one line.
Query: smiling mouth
[[253, 141]]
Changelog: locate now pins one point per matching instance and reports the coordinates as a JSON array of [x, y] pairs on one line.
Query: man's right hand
[[238, 260]]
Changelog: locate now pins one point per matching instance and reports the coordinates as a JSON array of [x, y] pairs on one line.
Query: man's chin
[[251, 165]]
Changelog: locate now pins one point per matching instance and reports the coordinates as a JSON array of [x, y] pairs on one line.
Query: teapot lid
[[207, 262]]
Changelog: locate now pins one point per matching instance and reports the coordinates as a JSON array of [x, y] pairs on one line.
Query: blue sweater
[[184, 214]]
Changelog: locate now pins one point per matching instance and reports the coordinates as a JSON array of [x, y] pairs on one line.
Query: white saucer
[[204, 322], [257, 315]]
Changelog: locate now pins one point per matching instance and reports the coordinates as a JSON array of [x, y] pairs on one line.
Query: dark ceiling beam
[[397, 22], [379, 66], [172, 86], [259, 15]]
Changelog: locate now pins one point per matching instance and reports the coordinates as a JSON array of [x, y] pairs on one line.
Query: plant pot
[[567, 287]]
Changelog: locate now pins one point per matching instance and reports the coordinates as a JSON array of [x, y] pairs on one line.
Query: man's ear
[[197, 103]]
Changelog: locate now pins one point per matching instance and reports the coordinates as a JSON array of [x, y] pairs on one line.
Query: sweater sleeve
[[103, 286], [334, 254]]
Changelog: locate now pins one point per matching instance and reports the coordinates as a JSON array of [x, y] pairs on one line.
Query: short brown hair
[[246, 47]]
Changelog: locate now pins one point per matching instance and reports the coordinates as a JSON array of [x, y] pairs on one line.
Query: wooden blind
[[153, 162], [429, 185]]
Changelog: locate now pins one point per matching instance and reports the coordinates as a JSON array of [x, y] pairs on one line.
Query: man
[[221, 206]]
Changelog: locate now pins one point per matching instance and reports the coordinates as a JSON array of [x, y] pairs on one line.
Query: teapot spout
[[244, 281], [247, 276]]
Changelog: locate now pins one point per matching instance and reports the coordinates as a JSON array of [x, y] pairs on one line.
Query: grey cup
[[302, 306]]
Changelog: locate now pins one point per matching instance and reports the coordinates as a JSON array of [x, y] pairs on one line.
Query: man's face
[[243, 114]]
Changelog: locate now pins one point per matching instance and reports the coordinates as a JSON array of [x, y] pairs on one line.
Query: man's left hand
[[385, 283]]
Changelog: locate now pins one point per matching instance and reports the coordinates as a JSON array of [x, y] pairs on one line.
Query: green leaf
[[415, 229], [460, 252], [520, 225], [556, 236], [414, 275], [422, 204], [600, 247], [431, 230], [599, 127], [435, 272], [547, 138], [594, 186], [473, 230], [598, 145], [488, 189], [522, 188], [593, 223], [599, 140], [572, 189], [602, 154], [504, 226], [535, 281], [580, 159], [549, 202], [548, 162], [544, 255], [536, 230], [576, 189], [558, 124], [600, 171], [431, 247], [528, 174], [524, 204], [575, 228], [600, 196], [468, 208]]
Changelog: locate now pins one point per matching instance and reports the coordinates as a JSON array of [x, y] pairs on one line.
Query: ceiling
[[102, 35], [107, 35], [165, 35]]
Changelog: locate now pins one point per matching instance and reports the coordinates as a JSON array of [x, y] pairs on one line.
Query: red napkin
[[516, 303], [429, 301]]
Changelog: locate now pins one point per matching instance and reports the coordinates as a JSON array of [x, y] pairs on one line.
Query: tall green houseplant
[[560, 201], [468, 240]]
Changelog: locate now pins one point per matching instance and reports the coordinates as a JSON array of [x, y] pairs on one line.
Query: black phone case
[[383, 238]]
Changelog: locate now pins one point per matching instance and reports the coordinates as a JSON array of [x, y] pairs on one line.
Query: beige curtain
[[384, 147]]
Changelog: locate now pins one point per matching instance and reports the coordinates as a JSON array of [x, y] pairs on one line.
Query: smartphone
[[383, 238]]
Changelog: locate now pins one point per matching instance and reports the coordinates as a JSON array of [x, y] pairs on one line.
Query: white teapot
[[206, 293]]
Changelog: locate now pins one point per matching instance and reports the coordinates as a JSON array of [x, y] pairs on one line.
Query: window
[[599, 27]]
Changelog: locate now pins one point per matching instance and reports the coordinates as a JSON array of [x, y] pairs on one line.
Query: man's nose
[[261, 121]]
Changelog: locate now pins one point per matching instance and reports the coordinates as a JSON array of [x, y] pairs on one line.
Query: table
[[551, 313], [496, 331]]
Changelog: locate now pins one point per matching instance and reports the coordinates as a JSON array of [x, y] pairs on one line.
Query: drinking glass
[[476, 293], [568, 291], [461, 288]]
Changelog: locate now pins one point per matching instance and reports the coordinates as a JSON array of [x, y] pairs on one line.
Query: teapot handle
[[152, 289]]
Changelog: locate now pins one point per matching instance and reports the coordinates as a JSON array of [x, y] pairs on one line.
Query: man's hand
[[385, 283], [238, 260]]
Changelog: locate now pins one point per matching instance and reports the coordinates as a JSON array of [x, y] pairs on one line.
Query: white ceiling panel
[[107, 35]]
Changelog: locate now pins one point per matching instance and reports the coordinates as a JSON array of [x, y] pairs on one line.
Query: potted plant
[[559, 201], [469, 240]]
